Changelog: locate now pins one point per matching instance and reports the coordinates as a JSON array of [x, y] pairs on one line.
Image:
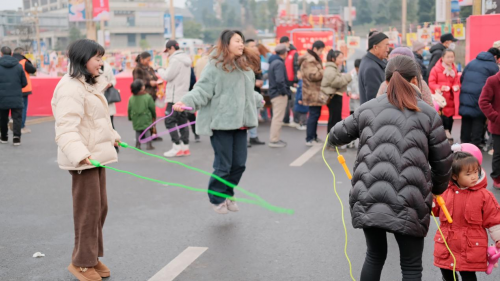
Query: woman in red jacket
[[444, 80], [473, 209], [489, 102]]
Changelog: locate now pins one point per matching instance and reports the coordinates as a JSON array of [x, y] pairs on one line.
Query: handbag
[[112, 95]]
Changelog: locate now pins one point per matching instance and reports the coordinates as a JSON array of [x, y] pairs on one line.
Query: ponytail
[[142, 56], [399, 72]]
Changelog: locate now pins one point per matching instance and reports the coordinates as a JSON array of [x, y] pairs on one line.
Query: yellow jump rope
[[439, 199]]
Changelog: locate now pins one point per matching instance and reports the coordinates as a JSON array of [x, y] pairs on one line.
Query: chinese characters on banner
[[303, 41], [76, 10], [100, 10], [491, 7]]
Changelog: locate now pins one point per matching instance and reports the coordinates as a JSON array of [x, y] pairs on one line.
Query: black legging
[[410, 251], [466, 275], [335, 110]]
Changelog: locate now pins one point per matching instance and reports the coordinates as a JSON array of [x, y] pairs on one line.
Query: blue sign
[[179, 26], [455, 6]]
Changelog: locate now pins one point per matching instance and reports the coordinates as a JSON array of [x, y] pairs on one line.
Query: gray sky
[[14, 4]]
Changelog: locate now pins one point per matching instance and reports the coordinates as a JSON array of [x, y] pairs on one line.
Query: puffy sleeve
[[203, 90], [440, 156]]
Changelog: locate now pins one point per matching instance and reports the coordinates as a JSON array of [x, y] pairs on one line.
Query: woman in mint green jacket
[[225, 100]]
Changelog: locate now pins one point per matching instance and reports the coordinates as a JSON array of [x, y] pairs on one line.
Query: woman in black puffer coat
[[404, 157]]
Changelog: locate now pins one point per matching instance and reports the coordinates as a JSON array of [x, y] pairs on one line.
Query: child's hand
[[445, 88], [456, 88]]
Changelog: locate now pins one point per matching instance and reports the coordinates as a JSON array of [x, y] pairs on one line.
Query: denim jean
[[312, 122], [25, 111], [230, 149]]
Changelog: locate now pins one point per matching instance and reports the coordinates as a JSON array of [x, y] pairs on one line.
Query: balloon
[[474, 150], [436, 105]]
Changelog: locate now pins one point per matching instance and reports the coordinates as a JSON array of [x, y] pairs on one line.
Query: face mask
[[452, 46]]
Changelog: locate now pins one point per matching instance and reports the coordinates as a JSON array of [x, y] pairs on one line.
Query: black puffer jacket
[[12, 82], [403, 158]]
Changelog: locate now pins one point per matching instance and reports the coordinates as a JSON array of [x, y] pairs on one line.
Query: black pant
[[230, 149], [312, 122], [178, 118], [472, 130], [335, 110], [495, 163], [17, 117], [466, 275], [192, 117], [410, 251], [447, 122]]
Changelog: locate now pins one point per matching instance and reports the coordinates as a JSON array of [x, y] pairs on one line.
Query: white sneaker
[[176, 151], [221, 208], [278, 144], [25, 130], [301, 127], [291, 124], [309, 143], [185, 149], [231, 206]]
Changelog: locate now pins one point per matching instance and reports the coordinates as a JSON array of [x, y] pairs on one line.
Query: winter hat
[[496, 44], [417, 46], [402, 51], [375, 38]]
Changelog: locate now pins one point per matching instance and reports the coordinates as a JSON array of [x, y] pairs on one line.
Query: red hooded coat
[[473, 210], [437, 79]]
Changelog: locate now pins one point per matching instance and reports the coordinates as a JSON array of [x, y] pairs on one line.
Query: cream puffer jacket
[[83, 126]]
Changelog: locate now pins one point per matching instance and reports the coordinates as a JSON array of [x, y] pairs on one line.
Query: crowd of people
[[401, 111]]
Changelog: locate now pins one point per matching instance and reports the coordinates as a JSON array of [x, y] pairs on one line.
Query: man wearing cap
[[447, 42], [292, 68], [279, 92], [418, 51], [178, 78], [372, 68]]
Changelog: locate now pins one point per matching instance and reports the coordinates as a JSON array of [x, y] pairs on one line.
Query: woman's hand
[[153, 83], [109, 86], [259, 83], [179, 106], [116, 144], [86, 161]]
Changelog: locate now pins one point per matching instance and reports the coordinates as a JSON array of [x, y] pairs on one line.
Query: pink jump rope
[[148, 139]]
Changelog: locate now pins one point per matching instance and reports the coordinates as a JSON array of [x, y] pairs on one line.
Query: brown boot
[[137, 145], [149, 146], [84, 273], [102, 270]]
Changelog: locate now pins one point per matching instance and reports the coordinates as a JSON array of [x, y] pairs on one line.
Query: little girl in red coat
[[473, 209], [444, 80]]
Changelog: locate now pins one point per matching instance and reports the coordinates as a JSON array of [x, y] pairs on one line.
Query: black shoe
[[4, 140], [256, 141], [158, 139], [249, 144], [197, 138], [17, 141]]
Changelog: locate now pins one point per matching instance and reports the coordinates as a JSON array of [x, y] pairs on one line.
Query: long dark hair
[[79, 53], [141, 56], [250, 60], [333, 55], [398, 74]]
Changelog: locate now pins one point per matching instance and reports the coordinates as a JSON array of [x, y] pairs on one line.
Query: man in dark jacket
[[447, 42], [292, 68], [279, 92], [418, 50], [12, 82], [372, 68], [259, 81], [28, 69], [489, 102], [473, 80]]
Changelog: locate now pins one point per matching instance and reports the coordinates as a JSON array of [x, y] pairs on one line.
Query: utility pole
[[403, 19], [448, 11], [326, 7], [304, 7], [350, 13], [89, 21], [37, 29], [288, 15], [172, 19], [477, 8]]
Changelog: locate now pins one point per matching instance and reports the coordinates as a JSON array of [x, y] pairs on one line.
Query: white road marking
[[179, 264], [307, 155]]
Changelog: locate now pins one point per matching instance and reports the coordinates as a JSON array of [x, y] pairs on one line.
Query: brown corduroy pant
[[90, 207]]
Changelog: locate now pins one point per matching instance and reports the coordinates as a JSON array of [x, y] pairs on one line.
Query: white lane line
[[179, 264], [307, 155]]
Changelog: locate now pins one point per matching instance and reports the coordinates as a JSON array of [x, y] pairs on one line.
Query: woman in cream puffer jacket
[[84, 132]]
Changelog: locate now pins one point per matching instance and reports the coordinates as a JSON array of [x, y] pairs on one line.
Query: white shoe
[[25, 130], [301, 127], [185, 149], [291, 124], [176, 151], [309, 143], [231, 206], [221, 208]]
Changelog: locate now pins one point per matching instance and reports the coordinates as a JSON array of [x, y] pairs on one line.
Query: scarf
[[448, 70]]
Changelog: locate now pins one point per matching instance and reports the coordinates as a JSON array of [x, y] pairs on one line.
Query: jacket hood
[[182, 57], [331, 64], [437, 47], [310, 56], [482, 182], [486, 56], [273, 58], [8, 61], [20, 57]]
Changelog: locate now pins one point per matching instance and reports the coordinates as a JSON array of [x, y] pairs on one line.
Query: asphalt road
[[149, 225]]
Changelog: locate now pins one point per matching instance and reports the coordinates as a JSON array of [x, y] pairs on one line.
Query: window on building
[[53, 1], [27, 4], [131, 20], [131, 42], [143, 36]]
